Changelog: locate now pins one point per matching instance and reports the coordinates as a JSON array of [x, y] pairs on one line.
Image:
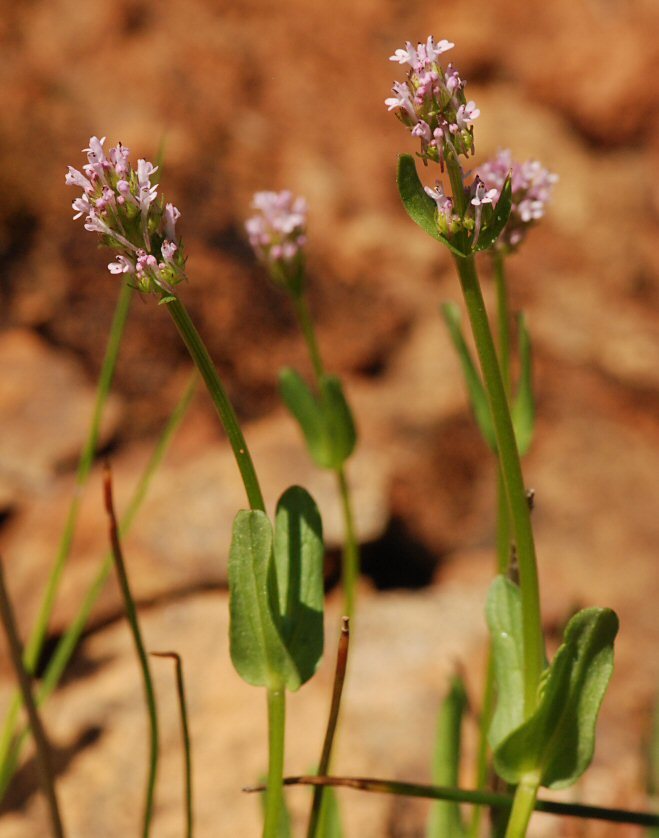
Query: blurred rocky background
[[270, 95]]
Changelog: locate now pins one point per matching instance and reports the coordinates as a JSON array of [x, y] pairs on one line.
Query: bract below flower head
[[121, 204], [431, 102], [277, 233], [531, 185]]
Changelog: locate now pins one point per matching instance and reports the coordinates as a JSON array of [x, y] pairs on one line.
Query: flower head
[[431, 102], [531, 185], [121, 204], [277, 233]]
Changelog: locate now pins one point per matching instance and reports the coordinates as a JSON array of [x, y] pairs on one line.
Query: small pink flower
[[121, 265]]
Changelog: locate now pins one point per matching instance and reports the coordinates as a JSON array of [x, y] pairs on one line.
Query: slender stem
[[274, 800], [481, 798], [35, 642], [204, 364], [350, 563], [185, 733], [323, 765], [131, 614], [523, 806], [306, 324], [503, 318], [44, 763], [512, 479], [69, 641], [503, 534]]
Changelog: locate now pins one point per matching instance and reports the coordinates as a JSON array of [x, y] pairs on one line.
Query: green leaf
[[329, 821], [558, 740], [257, 651], [491, 233], [302, 403], [504, 619], [339, 423], [326, 422], [419, 206], [475, 389], [298, 565], [276, 587], [523, 408], [445, 816]]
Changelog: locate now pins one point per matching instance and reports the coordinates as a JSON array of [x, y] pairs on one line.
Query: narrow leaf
[[504, 618], [558, 741], [445, 817], [419, 206], [475, 389], [523, 408], [329, 822], [257, 651], [298, 566], [491, 233]]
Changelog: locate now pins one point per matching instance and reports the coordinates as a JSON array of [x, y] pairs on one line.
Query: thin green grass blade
[[445, 818], [35, 643]]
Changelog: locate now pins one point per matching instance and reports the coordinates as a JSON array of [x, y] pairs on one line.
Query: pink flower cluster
[[531, 185], [277, 233], [121, 204], [431, 102]]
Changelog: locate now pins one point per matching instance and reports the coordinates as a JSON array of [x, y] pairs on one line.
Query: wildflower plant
[[275, 574], [542, 729], [277, 233]]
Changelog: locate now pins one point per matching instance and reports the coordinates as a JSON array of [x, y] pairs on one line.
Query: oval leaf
[[298, 588], [558, 741], [257, 651]]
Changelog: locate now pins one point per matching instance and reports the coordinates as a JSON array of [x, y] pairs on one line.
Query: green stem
[[69, 641], [147, 682], [503, 319], [480, 798], [44, 762], [276, 732], [503, 534], [523, 806], [306, 324], [512, 479], [350, 565], [204, 364], [35, 642]]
